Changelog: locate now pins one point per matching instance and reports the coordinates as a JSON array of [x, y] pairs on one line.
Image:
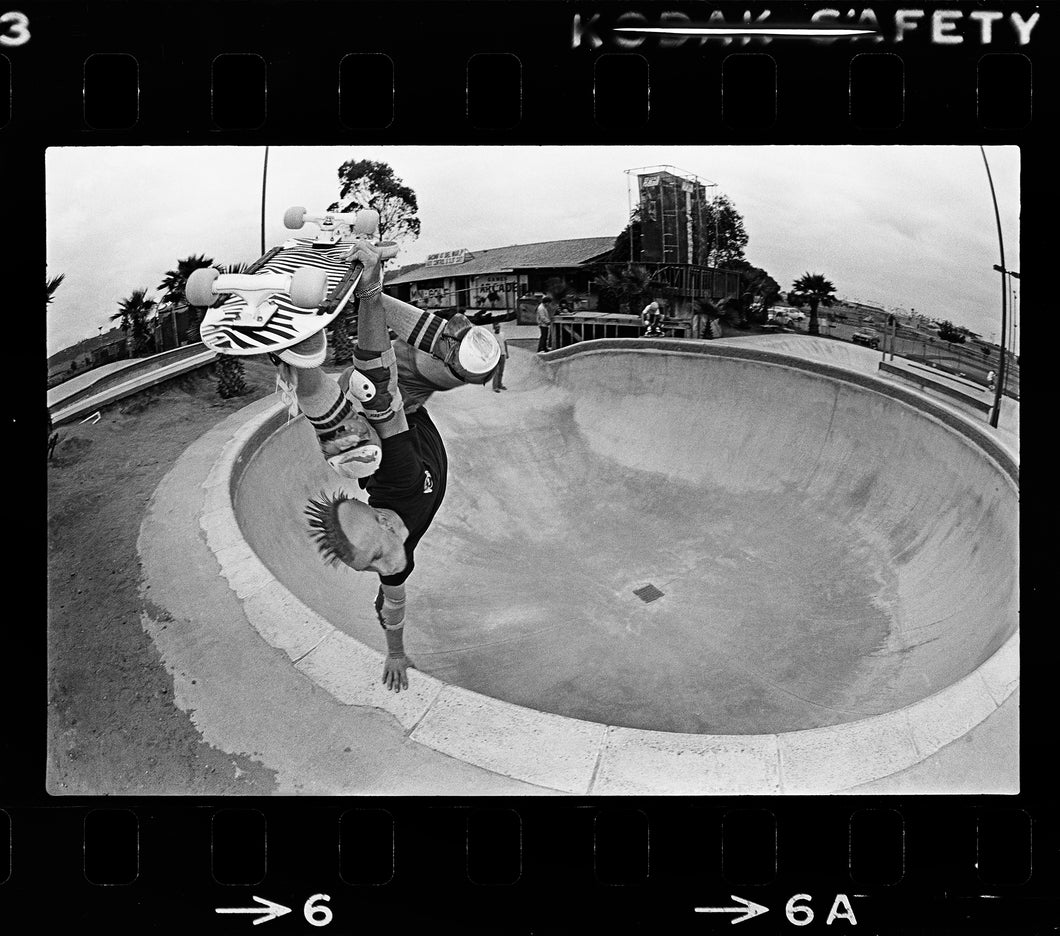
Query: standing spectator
[[699, 320], [544, 323], [990, 378], [498, 374]]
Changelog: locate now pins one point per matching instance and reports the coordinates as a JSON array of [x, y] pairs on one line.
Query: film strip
[[197, 737]]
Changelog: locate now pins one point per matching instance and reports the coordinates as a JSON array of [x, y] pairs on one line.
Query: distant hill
[[85, 347]]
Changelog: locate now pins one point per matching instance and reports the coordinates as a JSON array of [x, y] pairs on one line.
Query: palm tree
[[812, 289], [51, 285], [133, 316], [629, 286], [173, 285]]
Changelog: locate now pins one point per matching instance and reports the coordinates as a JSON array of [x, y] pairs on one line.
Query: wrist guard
[[390, 608]]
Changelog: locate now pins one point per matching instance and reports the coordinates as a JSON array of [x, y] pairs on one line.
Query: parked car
[[786, 313], [868, 337]]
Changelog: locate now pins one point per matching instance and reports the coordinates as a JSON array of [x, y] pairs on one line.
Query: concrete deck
[[838, 561], [104, 385]]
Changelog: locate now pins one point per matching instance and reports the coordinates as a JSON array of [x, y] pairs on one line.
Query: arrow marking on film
[[270, 909], [748, 911]]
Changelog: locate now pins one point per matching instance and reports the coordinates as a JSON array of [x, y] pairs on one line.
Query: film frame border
[[74, 33]]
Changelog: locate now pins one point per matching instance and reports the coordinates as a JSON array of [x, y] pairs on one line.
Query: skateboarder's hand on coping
[[368, 255], [394, 671]]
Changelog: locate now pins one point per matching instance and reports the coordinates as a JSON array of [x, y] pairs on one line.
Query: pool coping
[[589, 758]]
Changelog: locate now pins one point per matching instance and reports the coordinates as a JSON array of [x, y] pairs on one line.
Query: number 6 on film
[[14, 29], [316, 914]]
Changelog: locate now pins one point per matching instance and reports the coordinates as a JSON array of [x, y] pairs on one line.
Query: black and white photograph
[[581, 470]]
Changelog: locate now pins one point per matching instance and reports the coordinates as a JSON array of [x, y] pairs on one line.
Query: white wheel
[[199, 288], [309, 287], [294, 219], [367, 222]]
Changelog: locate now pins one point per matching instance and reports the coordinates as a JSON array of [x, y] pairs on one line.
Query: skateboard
[[294, 291]]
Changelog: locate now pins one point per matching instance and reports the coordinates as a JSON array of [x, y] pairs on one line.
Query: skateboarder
[[391, 445], [651, 318]]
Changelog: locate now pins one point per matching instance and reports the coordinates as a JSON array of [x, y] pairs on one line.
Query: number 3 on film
[[14, 29]]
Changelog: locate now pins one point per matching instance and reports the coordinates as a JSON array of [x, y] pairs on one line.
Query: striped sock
[[326, 408], [414, 326]]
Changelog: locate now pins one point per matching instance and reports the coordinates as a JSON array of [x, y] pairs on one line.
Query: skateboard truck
[[336, 227], [306, 286], [340, 227]]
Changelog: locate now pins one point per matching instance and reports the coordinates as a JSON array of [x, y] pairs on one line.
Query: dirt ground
[[112, 723]]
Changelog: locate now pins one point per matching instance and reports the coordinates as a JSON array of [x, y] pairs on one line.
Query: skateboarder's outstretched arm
[[376, 360]]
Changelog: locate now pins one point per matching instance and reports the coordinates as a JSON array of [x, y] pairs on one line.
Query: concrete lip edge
[[568, 754]]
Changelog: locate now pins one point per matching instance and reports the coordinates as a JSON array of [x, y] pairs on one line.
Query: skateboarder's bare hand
[[394, 677], [368, 256]]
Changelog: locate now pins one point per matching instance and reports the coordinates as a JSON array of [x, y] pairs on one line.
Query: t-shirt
[[410, 481], [544, 314]]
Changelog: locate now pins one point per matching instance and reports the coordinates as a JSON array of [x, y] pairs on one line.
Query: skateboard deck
[[273, 322]]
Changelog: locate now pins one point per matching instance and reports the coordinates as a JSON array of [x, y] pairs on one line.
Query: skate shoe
[[471, 352], [308, 353], [350, 444]]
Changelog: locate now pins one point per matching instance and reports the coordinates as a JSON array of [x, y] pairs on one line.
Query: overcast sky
[[904, 227]]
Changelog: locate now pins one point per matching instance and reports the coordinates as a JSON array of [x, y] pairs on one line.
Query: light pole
[[1014, 306], [1004, 296], [264, 181], [1006, 284]]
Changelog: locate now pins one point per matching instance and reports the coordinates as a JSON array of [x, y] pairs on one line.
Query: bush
[[231, 377]]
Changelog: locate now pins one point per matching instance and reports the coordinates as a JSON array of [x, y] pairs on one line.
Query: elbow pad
[[381, 370]]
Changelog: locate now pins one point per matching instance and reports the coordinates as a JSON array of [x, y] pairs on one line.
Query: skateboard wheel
[[309, 287], [199, 288], [294, 219], [367, 222]]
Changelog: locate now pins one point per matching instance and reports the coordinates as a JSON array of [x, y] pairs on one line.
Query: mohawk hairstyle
[[324, 529]]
